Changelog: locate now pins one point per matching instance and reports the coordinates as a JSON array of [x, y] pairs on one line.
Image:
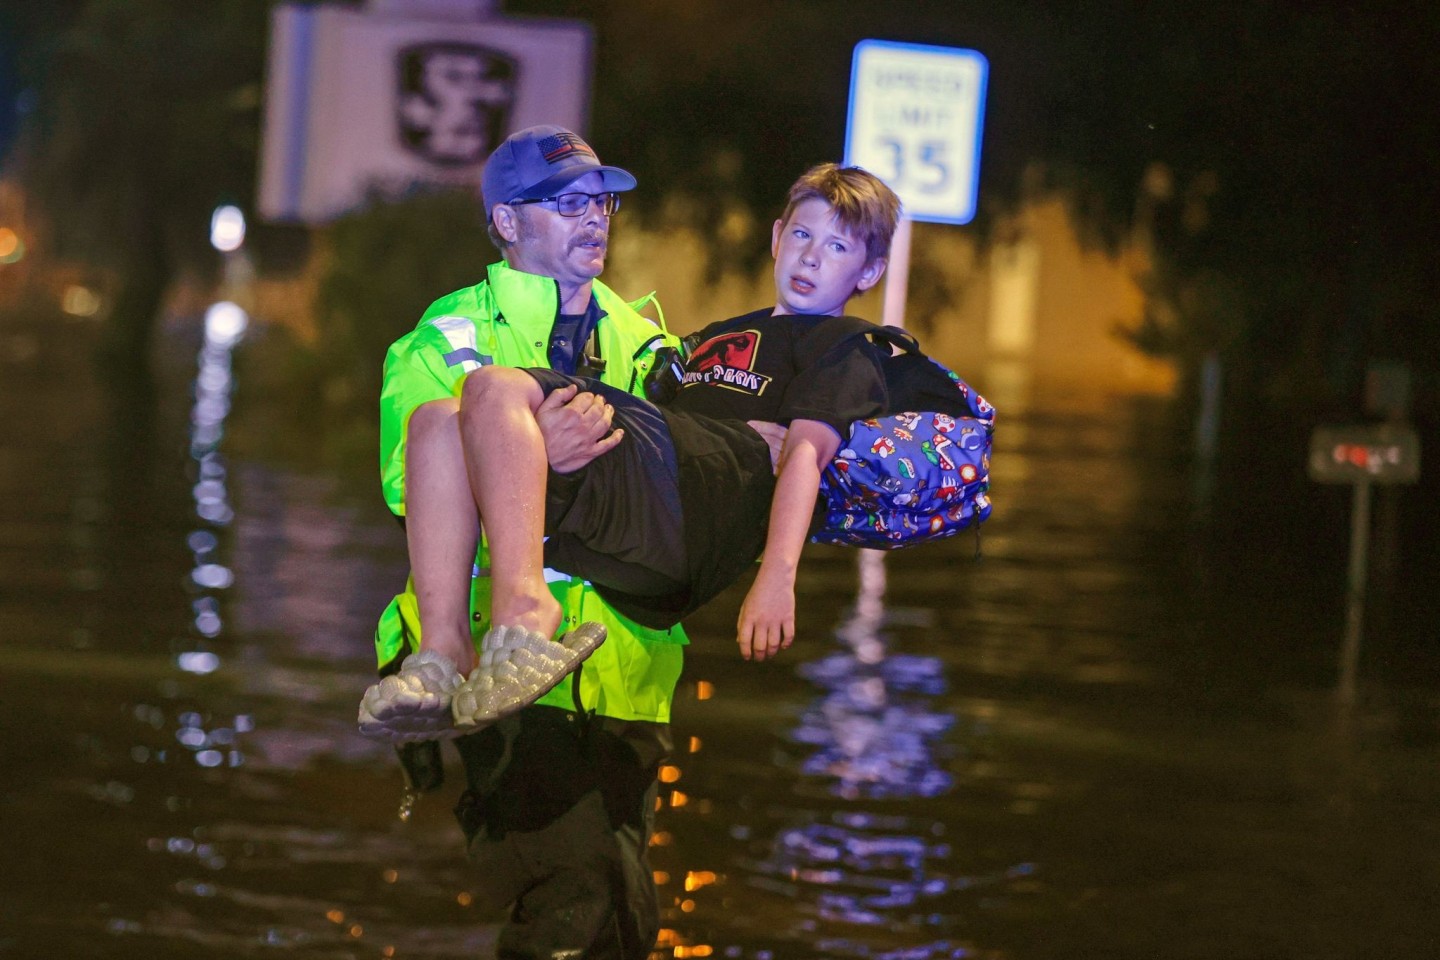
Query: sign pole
[[897, 288], [1355, 590], [897, 275], [1363, 456], [915, 121]]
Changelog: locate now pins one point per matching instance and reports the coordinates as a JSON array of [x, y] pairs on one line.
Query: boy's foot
[[518, 667], [413, 704]]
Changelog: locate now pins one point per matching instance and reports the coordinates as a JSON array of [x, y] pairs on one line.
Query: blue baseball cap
[[536, 162]]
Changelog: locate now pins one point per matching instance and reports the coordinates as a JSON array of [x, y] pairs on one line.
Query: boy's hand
[[576, 428], [774, 435], [767, 618]]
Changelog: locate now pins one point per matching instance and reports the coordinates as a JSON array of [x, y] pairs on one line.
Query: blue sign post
[[916, 119]]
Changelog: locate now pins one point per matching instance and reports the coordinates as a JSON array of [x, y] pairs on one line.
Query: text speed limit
[[915, 121]]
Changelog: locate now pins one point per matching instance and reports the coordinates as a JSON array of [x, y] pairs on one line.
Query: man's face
[[570, 249], [819, 264]]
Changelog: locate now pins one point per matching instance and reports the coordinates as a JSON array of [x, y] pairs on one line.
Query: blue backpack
[[919, 474]]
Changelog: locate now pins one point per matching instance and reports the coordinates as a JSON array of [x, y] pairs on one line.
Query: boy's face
[[819, 265]]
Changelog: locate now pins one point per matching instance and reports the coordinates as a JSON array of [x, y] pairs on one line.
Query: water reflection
[[878, 733], [875, 728], [224, 327]]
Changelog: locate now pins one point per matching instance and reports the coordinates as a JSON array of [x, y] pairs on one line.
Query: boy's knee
[[488, 383], [432, 416]]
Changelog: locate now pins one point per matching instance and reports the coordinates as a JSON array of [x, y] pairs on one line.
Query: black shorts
[[618, 521]]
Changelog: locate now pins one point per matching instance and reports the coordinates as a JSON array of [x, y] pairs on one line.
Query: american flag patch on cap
[[562, 145]]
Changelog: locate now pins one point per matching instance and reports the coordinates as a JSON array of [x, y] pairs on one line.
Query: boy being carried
[[683, 498]]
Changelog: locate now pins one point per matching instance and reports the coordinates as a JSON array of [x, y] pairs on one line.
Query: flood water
[[1114, 737]]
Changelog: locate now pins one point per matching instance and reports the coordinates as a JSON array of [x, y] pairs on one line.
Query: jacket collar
[[528, 301]]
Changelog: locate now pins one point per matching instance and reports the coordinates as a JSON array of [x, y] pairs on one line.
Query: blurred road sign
[[1370, 453], [1362, 456], [360, 101], [916, 115]]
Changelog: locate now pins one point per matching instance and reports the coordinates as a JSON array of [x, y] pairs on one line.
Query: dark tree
[[1294, 232], [146, 117], [1298, 227]]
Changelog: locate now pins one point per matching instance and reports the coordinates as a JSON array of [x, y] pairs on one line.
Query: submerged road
[[1112, 738]]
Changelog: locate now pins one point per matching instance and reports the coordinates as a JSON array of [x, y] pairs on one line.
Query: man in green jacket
[[560, 797]]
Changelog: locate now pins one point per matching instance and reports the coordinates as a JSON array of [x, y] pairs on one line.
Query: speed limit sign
[[916, 115]]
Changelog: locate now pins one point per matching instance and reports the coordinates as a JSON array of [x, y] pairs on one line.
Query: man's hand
[[575, 427], [774, 435], [767, 617]]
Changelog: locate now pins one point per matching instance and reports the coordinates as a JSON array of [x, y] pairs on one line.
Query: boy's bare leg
[[483, 455], [505, 457], [442, 529], [505, 460]]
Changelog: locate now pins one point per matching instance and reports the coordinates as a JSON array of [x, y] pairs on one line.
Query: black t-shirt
[[755, 367], [792, 367]]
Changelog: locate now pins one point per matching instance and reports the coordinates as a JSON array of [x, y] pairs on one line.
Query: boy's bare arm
[[774, 435], [767, 617]]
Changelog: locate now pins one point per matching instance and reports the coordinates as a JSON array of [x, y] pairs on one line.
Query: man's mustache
[[591, 236]]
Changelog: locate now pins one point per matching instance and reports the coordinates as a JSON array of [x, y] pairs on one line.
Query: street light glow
[[11, 247], [225, 323], [227, 228]]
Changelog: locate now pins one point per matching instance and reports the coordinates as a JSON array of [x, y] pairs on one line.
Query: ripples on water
[[1094, 743]]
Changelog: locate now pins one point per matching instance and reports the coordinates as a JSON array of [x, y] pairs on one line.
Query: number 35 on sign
[[916, 116]]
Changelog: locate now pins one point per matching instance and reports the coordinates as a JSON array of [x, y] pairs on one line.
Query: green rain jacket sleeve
[[416, 373]]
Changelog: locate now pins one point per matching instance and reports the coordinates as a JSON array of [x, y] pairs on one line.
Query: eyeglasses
[[575, 204]]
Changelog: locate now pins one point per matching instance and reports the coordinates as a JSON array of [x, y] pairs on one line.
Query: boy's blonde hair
[[862, 202]]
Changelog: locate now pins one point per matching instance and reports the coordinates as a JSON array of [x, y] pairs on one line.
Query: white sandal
[[413, 704], [518, 667]]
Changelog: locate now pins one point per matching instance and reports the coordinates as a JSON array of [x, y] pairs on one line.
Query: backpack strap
[[835, 331], [902, 340], [840, 329], [912, 380]]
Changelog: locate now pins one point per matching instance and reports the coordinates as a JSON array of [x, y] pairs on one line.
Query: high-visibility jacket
[[506, 319]]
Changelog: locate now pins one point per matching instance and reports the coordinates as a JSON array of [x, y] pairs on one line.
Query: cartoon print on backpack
[[887, 488]]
